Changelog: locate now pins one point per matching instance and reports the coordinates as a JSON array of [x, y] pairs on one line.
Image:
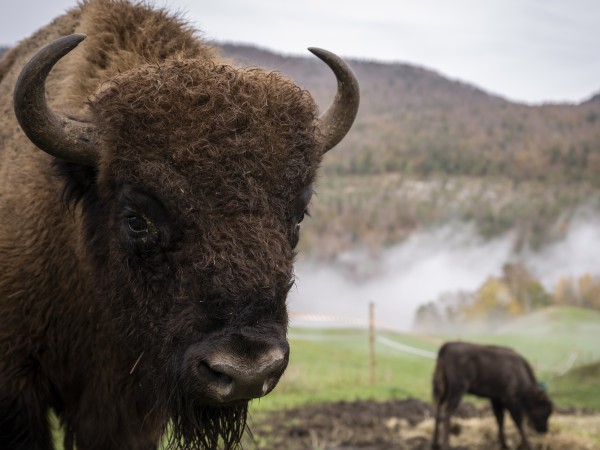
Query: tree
[[567, 292], [526, 290], [589, 291]]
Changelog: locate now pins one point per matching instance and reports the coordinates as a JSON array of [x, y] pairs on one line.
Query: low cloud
[[428, 264]]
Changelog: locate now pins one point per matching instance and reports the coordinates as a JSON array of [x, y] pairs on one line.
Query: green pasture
[[333, 364]]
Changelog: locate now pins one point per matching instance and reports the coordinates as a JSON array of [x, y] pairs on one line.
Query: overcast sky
[[526, 50]]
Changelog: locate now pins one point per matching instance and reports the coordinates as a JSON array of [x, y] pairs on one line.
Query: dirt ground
[[408, 425]]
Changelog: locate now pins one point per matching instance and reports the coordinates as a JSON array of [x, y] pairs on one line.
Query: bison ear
[[59, 136]]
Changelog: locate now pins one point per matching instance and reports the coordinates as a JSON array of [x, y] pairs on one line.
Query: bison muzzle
[[151, 195]]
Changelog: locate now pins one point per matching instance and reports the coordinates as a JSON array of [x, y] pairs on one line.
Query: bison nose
[[227, 378]]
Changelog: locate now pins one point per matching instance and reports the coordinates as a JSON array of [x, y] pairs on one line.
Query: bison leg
[[438, 413], [23, 427], [517, 416], [452, 402], [498, 408]]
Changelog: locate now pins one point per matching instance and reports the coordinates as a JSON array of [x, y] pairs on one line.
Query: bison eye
[[137, 224], [304, 214], [296, 228]]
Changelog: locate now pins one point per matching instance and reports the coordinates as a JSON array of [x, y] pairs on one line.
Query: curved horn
[[56, 135], [337, 120]]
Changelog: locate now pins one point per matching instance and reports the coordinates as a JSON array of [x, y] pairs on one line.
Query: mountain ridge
[[264, 57], [417, 121]]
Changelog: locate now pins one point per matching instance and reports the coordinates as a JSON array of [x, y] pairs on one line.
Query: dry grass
[[567, 432]]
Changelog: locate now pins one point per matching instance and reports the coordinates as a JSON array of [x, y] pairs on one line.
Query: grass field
[[333, 364]]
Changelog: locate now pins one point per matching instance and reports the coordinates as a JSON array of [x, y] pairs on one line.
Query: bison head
[[538, 409], [193, 178]]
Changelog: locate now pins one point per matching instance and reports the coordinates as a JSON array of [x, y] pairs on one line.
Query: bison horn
[[337, 120], [58, 136]]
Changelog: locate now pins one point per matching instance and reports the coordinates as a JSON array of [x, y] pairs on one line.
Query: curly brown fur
[[97, 323]]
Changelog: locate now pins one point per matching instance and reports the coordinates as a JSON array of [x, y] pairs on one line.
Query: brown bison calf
[[151, 196], [497, 373]]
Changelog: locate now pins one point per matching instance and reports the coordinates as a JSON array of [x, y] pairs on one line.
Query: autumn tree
[[589, 291], [498, 299], [526, 291], [583, 291]]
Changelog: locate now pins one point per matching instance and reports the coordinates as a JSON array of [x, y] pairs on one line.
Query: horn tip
[[78, 37], [317, 51], [66, 43], [71, 41]]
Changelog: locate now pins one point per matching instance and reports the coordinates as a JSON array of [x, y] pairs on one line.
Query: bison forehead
[[234, 132], [197, 111]]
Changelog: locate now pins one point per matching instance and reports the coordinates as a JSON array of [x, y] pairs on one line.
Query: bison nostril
[[226, 375], [224, 378], [216, 375], [242, 381]]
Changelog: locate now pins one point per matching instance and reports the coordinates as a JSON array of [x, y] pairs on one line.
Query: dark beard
[[202, 427]]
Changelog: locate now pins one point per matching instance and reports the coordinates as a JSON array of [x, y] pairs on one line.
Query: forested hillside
[[427, 150]]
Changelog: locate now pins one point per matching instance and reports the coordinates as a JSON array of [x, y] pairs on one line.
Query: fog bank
[[428, 264]]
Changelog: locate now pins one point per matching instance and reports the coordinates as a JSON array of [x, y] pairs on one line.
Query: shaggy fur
[[216, 162]]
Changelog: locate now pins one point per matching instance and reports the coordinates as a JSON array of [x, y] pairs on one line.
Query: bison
[[497, 373], [151, 195]]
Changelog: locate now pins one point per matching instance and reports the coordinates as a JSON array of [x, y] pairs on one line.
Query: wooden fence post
[[372, 342]]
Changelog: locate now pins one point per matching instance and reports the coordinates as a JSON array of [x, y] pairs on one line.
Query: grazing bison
[[497, 373], [150, 202]]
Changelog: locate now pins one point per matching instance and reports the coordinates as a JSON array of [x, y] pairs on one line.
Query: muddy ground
[[408, 425]]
